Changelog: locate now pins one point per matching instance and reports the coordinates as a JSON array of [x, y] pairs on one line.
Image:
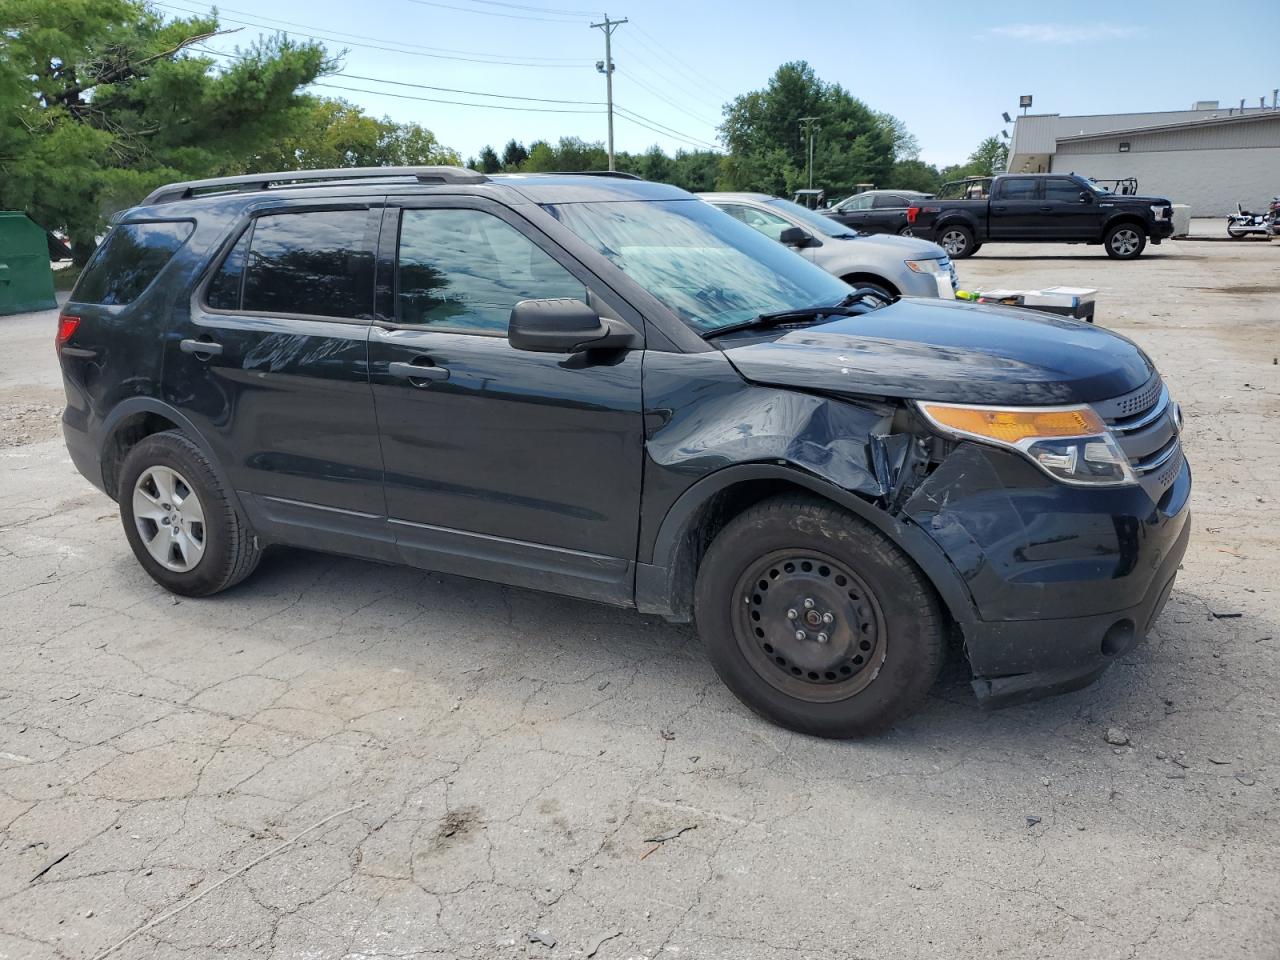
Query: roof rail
[[616, 174], [263, 181]]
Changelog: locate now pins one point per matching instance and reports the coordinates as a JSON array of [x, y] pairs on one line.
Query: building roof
[[1255, 116]]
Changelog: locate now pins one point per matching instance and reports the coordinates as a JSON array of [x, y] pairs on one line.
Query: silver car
[[899, 266]]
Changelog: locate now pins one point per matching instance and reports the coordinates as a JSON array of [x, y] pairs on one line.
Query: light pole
[[807, 126]]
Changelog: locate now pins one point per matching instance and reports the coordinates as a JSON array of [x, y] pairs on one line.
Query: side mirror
[[795, 237], [1086, 196], [564, 326]]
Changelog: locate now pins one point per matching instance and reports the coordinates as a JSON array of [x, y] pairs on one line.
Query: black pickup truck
[[1046, 207]]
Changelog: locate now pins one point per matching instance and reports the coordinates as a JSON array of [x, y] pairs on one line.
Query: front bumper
[[1063, 580], [1160, 230]]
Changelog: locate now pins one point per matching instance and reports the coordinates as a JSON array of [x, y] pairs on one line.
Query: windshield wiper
[[853, 305]]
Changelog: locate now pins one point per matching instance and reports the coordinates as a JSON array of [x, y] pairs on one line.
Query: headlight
[[926, 266], [1071, 444]]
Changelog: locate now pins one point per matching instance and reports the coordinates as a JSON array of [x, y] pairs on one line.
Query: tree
[[914, 175], [102, 101], [990, 157], [334, 133], [513, 155], [768, 152], [489, 162]]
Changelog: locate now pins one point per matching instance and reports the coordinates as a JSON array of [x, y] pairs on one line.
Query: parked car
[[608, 389], [894, 266], [878, 211], [1040, 208]]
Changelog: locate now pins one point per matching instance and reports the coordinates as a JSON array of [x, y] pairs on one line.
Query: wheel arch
[[140, 417], [665, 586], [1121, 218], [864, 276]]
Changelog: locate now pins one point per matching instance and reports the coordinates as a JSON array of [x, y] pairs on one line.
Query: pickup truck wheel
[[1125, 241], [817, 621], [957, 241], [183, 530]]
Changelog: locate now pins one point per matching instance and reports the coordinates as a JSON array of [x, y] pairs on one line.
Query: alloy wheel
[[1125, 241], [954, 242], [169, 518]]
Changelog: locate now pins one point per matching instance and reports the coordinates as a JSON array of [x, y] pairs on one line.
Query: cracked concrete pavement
[[340, 759]]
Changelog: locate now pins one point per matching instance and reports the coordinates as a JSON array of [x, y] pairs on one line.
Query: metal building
[[1210, 158]]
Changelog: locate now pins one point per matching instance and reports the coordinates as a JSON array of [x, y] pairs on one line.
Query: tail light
[[912, 212], [66, 328]]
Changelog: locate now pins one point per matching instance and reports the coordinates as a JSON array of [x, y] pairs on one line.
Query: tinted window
[[889, 202], [315, 263], [224, 288], [1063, 190], [862, 202], [465, 269], [1019, 188], [130, 258]]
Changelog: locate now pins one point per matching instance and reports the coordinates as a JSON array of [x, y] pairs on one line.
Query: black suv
[[609, 389]]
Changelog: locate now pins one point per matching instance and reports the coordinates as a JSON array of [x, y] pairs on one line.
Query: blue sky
[[948, 70]]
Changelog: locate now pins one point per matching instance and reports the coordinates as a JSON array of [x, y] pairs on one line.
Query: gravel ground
[[340, 759]]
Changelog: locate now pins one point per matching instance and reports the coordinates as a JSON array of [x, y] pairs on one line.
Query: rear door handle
[[1046, 207], [417, 373], [201, 348]]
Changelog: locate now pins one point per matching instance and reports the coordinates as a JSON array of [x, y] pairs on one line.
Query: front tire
[[905, 231], [872, 629], [958, 241], [1125, 241], [179, 521]]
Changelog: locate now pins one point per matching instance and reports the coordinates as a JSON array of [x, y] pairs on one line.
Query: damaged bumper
[[1063, 581]]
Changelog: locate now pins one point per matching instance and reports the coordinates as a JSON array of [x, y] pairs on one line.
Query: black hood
[[1127, 198], [950, 351]]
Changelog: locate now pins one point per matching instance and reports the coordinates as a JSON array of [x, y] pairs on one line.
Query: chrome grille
[[1146, 425]]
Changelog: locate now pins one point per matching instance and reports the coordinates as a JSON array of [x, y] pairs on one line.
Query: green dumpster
[[26, 279]]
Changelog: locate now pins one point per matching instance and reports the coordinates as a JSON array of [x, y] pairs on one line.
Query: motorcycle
[[1243, 222]]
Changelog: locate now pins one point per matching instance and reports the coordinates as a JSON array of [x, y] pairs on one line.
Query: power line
[[371, 46], [522, 6], [669, 131], [645, 38], [422, 86], [693, 143], [487, 13], [401, 43], [455, 103], [631, 76]]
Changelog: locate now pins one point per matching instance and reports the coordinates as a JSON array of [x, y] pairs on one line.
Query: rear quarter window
[[130, 258]]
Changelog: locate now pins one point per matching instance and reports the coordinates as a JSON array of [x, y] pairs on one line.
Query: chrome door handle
[[417, 373]]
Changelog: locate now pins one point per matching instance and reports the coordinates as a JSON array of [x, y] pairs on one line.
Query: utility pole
[[605, 66], [808, 125]]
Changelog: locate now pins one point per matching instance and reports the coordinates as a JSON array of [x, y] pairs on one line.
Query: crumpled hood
[[950, 351]]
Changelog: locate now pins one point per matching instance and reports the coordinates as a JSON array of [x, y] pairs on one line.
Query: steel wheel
[[809, 626], [955, 242], [169, 518], [1125, 242]]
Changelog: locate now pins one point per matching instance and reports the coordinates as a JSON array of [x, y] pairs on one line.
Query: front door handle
[[1046, 207], [417, 373], [203, 349], [1000, 209]]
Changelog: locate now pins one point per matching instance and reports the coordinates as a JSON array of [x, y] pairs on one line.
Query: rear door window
[[889, 202], [130, 258], [316, 263], [1019, 188]]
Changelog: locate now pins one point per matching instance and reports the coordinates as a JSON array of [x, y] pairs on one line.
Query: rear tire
[[1125, 241], [179, 521], [958, 241], [873, 635], [1236, 234], [905, 231]]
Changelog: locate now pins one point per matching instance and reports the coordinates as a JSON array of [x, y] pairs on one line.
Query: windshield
[[708, 268], [1096, 187], [812, 219]]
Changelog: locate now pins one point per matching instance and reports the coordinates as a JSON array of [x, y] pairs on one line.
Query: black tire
[[1236, 233], [881, 287], [884, 643], [905, 231], [957, 240], [1125, 241], [230, 550]]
